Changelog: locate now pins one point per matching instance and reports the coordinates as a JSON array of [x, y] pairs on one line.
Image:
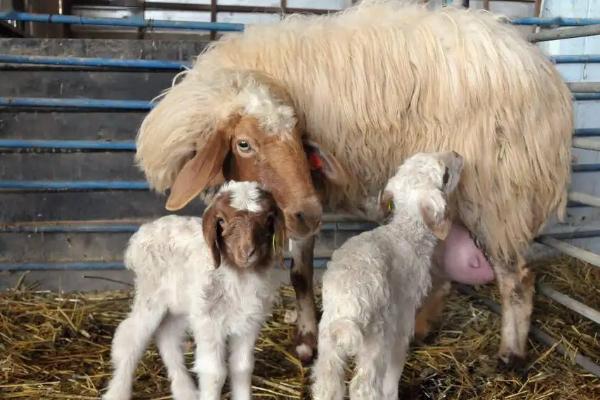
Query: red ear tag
[[316, 163]]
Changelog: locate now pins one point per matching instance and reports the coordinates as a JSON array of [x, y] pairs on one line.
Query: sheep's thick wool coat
[[384, 80]]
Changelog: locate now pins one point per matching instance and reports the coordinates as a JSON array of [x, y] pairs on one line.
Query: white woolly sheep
[[375, 84], [376, 281], [212, 275]]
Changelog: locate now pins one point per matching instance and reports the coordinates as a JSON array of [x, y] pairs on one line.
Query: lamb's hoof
[[306, 347], [513, 363]]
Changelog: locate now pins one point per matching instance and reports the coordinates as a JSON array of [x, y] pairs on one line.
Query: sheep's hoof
[[306, 347], [513, 363]]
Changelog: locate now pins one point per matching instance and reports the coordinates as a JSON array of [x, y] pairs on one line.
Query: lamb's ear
[[434, 210], [212, 231], [279, 237], [203, 170], [321, 160], [386, 204]]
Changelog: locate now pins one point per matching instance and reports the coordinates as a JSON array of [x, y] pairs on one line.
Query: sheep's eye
[[221, 222], [244, 146]]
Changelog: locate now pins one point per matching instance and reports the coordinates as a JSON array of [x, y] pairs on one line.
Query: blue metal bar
[[586, 132], [94, 62], [586, 96], [131, 228], [132, 104], [125, 22], [179, 65], [576, 59], [79, 266], [68, 144], [73, 185], [586, 167], [75, 103], [72, 266], [556, 21]]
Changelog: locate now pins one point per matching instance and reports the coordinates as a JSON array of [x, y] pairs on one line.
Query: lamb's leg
[[130, 340], [516, 289], [169, 339], [372, 357], [210, 362], [394, 368], [302, 279], [241, 365], [328, 371]]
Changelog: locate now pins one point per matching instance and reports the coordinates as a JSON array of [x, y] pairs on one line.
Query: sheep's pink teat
[[462, 260]]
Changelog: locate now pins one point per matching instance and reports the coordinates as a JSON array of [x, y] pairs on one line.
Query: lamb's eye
[[446, 177], [221, 222], [244, 146]]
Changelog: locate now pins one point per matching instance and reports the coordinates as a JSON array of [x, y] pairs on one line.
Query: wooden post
[[486, 5]]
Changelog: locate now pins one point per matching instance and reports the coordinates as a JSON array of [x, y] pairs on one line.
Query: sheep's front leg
[[516, 289], [432, 306], [241, 364], [302, 279], [210, 362], [169, 340]]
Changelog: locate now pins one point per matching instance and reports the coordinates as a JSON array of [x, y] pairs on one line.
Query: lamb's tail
[[338, 340]]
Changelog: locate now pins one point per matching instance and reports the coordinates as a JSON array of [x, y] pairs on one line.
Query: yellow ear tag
[[390, 205]]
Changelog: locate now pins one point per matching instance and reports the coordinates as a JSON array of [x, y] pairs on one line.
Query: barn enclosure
[[76, 79]]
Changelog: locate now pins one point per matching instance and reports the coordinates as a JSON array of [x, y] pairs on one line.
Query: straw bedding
[[57, 346]]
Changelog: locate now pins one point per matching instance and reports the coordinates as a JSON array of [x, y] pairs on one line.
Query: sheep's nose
[[305, 218], [250, 250]]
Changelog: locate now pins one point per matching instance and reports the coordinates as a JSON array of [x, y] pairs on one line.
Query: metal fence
[[588, 139]]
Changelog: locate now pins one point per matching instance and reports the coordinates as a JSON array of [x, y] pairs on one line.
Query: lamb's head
[[243, 227], [234, 125], [420, 188]]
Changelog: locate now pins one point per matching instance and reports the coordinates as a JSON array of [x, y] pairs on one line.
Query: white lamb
[[376, 281], [212, 275]]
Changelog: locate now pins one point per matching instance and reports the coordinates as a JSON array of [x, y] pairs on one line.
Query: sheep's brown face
[[247, 235], [242, 151], [280, 164]]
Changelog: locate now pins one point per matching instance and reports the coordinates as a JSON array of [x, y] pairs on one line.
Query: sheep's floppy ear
[[204, 169], [434, 210], [323, 161], [386, 204], [212, 231]]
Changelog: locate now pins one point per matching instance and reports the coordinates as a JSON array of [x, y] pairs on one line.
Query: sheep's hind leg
[[301, 276], [328, 370], [169, 340], [371, 360], [394, 368], [516, 290], [130, 340]]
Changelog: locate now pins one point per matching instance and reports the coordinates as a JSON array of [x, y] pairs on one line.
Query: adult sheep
[[372, 86]]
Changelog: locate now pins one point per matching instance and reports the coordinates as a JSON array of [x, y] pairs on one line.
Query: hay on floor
[[57, 346]]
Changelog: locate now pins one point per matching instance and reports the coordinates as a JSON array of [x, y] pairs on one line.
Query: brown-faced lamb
[[376, 281], [211, 275]]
